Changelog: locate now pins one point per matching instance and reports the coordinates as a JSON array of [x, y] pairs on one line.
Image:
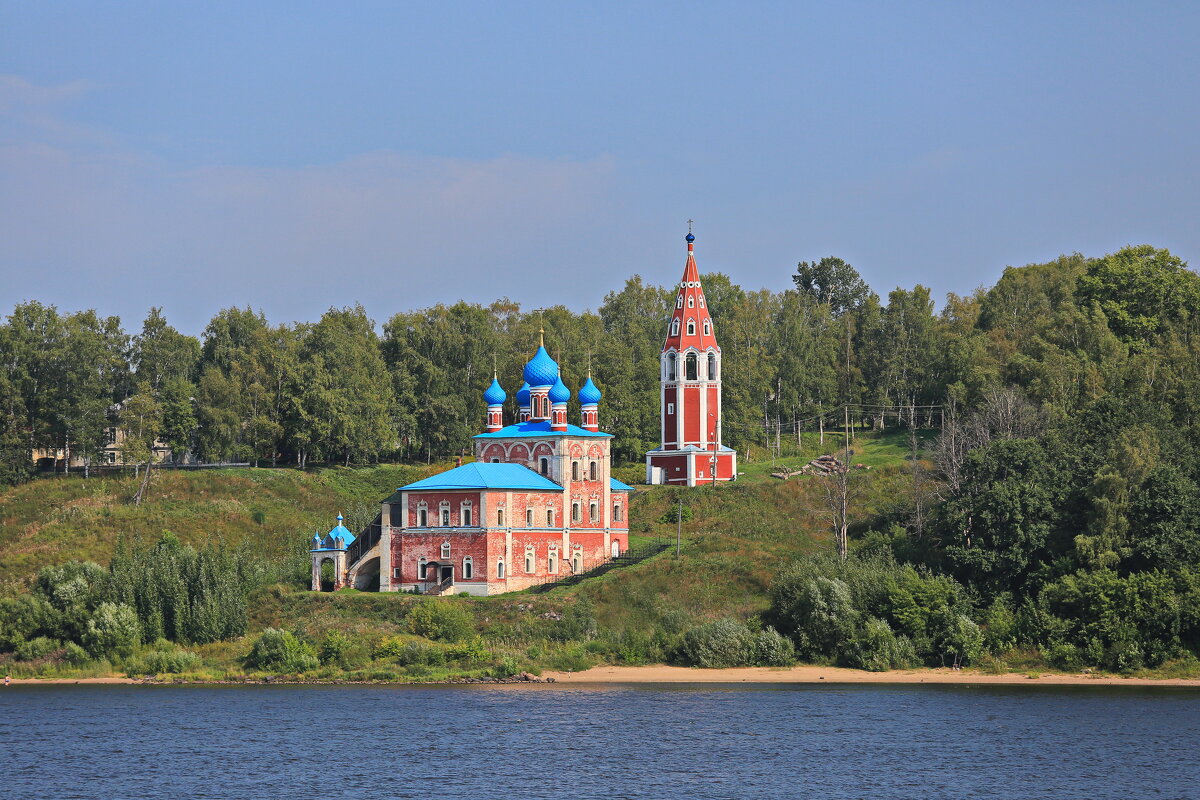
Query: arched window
[[575, 512], [545, 406], [468, 568], [679, 302], [616, 548], [445, 515], [544, 466], [464, 515], [528, 562], [690, 366], [445, 549], [712, 366], [500, 517], [422, 567], [702, 301], [675, 323], [500, 568], [577, 562], [574, 470], [593, 511], [691, 302], [707, 327], [670, 366], [549, 517], [529, 518], [691, 327], [552, 562], [422, 517], [594, 472], [616, 512]]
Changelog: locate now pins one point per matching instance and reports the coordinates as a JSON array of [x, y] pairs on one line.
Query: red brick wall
[[433, 501]]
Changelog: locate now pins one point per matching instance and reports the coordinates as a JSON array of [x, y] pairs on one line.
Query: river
[[616, 741]]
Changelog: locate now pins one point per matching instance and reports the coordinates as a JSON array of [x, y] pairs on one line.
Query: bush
[[715, 645], [113, 629], [823, 616], [23, 617], [957, 636], [36, 648], [578, 622], [1064, 655], [334, 648], [75, 655], [505, 668], [877, 648], [573, 659], [163, 660], [443, 620], [772, 649], [280, 651]]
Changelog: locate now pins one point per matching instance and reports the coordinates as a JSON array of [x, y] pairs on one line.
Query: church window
[[465, 515], [468, 568], [528, 562], [670, 366], [616, 548], [544, 466], [702, 301], [616, 512], [396, 573], [422, 568], [445, 549], [707, 328], [593, 512], [445, 518], [495, 461], [675, 325], [691, 302], [574, 470], [552, 562], [679, 302], [575, 513], [500, 517], [549, 517], [500, 569], [594, 471], [690, 366], [422, 518], [577, 562], [712, 366], [670, 408], [529, 518], [691, 327]]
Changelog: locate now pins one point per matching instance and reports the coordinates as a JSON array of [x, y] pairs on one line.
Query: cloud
[[88, 223]]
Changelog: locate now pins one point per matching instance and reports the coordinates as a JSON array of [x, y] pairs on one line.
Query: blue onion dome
[[523, 394], [690, 238], [559, 393], [542, 370], [589, 394], [495, 394]]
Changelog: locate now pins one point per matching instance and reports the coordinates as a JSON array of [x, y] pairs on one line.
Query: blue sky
[[294, 156]]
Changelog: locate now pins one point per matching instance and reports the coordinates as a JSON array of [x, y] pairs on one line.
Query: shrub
[[573, 659], [877, 648], [280, 651], [22, 617], [724, 643], [38, 647], [334, 647], [772, 649], [390, 647], [578, 622], [75, 655], [470, 651], [957, 636], [824, 616], [445, 620], [506, 667], [113, 629], [1064, 655], [164, 660]]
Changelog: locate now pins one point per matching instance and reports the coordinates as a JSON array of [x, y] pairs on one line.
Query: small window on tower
[[691, 327], [594, 471], [670, 366], [712, 366], [707, 328], [544, 465], [675, 324], [691, 302], [670, 408], [691, 366], [702, 301], [679, 302]]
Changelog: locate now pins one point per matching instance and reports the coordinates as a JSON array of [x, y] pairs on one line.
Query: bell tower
[[690, 451]]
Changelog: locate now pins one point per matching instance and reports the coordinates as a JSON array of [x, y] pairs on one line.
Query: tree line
[[1062, 334]]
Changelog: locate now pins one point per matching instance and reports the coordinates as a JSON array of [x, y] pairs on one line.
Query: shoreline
[[803, 674]]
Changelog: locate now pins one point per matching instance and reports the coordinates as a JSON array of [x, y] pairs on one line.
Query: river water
[[679, 741]]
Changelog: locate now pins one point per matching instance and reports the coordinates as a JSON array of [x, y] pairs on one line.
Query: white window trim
[[445, 549], [468, 567]]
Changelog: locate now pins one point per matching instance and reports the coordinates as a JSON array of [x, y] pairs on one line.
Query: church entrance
[[445, 573]]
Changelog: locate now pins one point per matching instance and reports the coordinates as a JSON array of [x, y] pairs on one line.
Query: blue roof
[[327, 542], [495, 395], [479, 475], [540, 428], [542, 370], [589, 394], [559, 393], [523, 394], [616, 486]]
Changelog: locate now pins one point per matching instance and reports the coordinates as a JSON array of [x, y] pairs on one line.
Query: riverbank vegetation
[[1028, 497]]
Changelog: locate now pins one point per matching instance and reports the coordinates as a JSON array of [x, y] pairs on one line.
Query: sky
[[298, 156]]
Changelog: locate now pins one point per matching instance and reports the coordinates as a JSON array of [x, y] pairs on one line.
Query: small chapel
[[538, 503]]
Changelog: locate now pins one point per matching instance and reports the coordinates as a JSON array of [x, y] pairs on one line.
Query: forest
[[1058, 508]]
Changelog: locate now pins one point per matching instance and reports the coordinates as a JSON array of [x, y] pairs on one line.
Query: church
[[539, 502]]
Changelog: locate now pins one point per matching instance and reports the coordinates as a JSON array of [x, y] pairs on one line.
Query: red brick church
[[538, 503]]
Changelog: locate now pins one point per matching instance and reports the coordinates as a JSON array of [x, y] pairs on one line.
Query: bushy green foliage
[[281, 651], [723, 643], [875, 647], [163, 658], [772, 649], [442, 620], [578, 622], [38, 647], [113, 630]]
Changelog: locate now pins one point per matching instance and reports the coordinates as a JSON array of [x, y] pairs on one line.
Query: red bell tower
[[690, 451]]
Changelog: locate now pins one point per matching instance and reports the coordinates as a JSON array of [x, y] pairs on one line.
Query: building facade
[[538, 503], [690, 452]]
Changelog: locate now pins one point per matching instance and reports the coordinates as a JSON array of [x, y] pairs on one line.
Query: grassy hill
[[734, 539]]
